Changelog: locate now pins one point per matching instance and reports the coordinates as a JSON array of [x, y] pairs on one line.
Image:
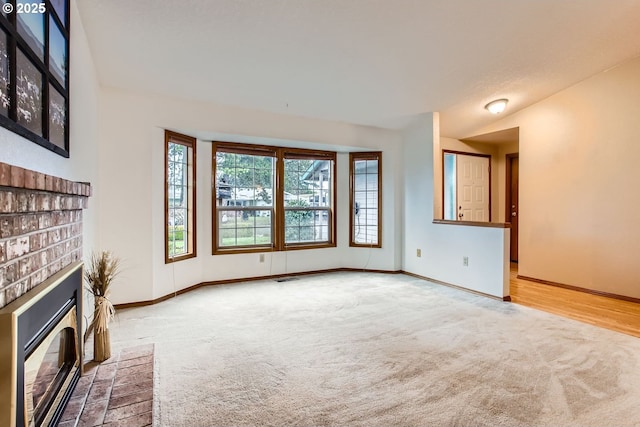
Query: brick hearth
[[116, 393]]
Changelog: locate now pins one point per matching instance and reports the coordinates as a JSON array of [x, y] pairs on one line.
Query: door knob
[[513, 214], [460, 215]]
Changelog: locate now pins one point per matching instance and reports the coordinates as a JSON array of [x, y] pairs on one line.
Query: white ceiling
[[371, 62]]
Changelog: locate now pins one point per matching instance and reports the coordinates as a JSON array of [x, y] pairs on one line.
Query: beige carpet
[[356, 349]]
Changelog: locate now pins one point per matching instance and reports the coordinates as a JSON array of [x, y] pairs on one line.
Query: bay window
[[271, 198]]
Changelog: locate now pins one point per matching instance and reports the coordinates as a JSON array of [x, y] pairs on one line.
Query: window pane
[[372, 199], [57, 53], [372, 182], [227, 237], [308, 183], [244, 180], [57, 117], [2, 2], [361, 199], [177, 176], [298, 189], [31, 28], [322, 233], [227, 219], [181, 247], [244, 227], [177, 240], [304, 225], [29, 92], [5, 102], [60, 7], [367, 235]]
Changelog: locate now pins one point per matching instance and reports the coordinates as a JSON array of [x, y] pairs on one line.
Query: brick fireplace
[[40, 294], [40, 228]]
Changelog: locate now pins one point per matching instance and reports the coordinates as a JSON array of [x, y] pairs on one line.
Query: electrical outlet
[[418, 253], [261, 257], [465, 261]]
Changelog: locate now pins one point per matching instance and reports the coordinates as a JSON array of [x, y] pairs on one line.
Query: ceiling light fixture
[[497, 106]]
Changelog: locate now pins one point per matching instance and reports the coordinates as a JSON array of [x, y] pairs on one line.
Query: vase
[[101, 339], [101, 345]]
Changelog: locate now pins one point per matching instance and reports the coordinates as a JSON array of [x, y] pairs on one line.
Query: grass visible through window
[[236, 230]]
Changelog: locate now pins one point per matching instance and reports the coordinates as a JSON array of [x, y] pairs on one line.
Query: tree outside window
[[180, 225], [252, 213]]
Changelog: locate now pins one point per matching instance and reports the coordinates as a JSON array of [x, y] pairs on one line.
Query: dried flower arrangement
[[99, 275]]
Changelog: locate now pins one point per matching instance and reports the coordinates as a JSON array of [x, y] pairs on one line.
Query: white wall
[[444, 246], [82, 165], [579, 152], [132, 190]]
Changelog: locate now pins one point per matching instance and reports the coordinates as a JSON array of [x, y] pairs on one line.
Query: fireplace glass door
[[48, 370]]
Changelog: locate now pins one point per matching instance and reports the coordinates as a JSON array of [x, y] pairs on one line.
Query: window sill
[[301, 246], [473, 223], [364, 245], [179, 258]]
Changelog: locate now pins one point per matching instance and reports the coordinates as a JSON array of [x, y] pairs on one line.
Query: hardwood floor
[[609, 313]]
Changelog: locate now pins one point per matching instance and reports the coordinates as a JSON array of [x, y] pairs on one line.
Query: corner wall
[[578, 167], [444, 246]]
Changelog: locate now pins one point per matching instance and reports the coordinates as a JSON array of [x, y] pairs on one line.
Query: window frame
[[17, 43], [305, 154], [252, 150], [189, 142], [278, 209], [353, 158]]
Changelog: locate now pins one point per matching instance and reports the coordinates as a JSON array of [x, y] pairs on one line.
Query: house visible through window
[[366, 199], [270, 198], [308, 197], [244, 198], [180, 170], [34, 79]]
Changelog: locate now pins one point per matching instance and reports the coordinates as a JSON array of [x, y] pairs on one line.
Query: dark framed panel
[[34, 71]]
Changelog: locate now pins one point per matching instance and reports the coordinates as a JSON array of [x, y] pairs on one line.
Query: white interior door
[[472, 188]]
